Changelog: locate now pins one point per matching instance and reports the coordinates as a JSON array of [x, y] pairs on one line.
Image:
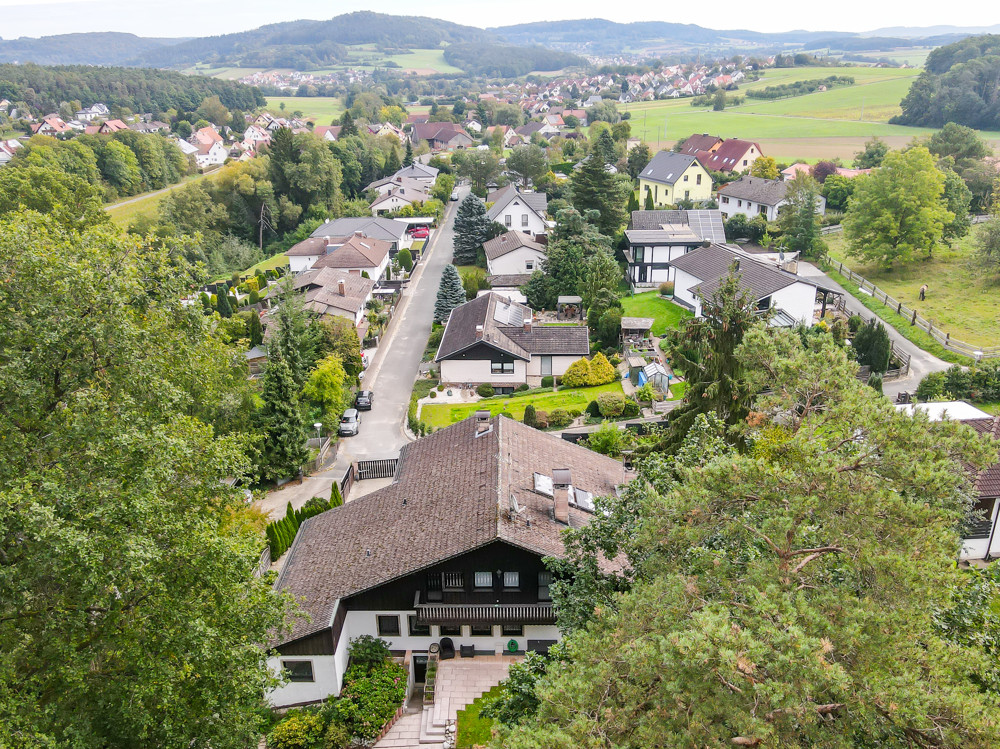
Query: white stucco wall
[[300, 263], [516, 209], [559, 365], [798, 300], [683, 282], [327, 674], [516, 262], [476, 371]]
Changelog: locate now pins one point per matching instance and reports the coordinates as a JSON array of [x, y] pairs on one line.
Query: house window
[[546, 362], [388, 625], [744, 162], [502, 367], [524, 219], [417, 629], [434, 587], [298, 670], [529, 264], [481, 630], [544, 580], [697, 180], [687, 194], [511, 580], [685, 178], [725, 199], [762, 210], [640, 254], [454, 581], [513, 630], [451, 630], [484, 581], [739, 203], [506, 220], [764, 304]]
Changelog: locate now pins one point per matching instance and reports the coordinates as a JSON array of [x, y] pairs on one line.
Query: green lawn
[[651, 304], [123, 212], [324, 109], [959, 300], [424, 61], [439, 415], [473, 729]]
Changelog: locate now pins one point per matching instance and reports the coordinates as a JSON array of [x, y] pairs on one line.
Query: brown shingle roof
[[457, 488], [512, 240], [321, 287], [756, 189], [712, 264], [356, 252], [988, 480]]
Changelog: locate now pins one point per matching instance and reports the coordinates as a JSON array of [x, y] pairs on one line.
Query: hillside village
[[484, 420]]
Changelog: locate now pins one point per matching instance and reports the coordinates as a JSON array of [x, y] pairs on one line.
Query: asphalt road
[[394, 368], [921, 363]]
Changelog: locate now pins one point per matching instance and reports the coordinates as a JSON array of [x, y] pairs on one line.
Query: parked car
[[350, 423], [420, 232], [363, 400], [454, 194]]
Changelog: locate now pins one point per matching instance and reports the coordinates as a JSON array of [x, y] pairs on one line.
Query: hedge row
[[281, 533]]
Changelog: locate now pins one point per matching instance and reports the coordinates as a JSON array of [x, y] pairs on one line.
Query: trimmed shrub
[[433, 394], [254, 297], [854, 323], [875, 382], [338, 736], [601, 371], [593, 409], [931, 387], [559, 418], [529, 415], [299, 730], [611, 405], [547, 381], [485, 391], [574, 412], [577, 375], [521, 388], [541, 420], [631, 409], [872, 346], [667, 288], [336, 498]]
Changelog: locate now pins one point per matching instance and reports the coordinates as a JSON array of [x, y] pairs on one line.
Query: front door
[[419, 668]]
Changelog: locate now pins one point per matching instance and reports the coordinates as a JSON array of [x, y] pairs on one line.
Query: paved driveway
[[921, 363]]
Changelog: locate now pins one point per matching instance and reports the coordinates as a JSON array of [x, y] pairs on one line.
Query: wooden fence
[[896, 353], [384, 468], [914, 318]]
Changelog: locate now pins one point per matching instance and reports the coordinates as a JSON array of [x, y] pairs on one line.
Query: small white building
[[513, 253], [756, 196], [519, 211]]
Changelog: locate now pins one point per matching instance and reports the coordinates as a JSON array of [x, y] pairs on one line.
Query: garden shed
[[569, 308], [655, 374]]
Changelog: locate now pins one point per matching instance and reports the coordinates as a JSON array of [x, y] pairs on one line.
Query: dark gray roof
[[757, 190], [377, 228], [457, 488], [711, 265], [508, 280], [666, 167], [502, 324], [537, 201], [705, 223], [416, 170]]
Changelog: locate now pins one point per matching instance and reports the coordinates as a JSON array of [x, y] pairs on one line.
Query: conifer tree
[[633, 204], [255, 331], [336, 498], [284, 449], [347, 126], [648, 205], [392, 162], [451, 294], [472, 228], [222, 304], [408, 156]]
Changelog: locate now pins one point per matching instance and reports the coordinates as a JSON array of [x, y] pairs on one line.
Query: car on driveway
[[363, 400], [420, 232], [350, 423], [454, 194]]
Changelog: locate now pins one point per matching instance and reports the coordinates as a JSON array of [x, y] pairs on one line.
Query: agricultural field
[[820, 125], [959, 299], [324, 109], [424, 62]]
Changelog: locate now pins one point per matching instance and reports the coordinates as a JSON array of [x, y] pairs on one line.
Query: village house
[[7, 149], [329, 291], [327, 132], [111, 126], [513, 253], [695, 144], [387, 229], [419, 172], [520, 211], [492, 340], [671, 177], [756, 196], [51, 125], [494, 495], [441, 136], [655, 238], [733, 155], [699, 274], [356, 255], [97, 111]]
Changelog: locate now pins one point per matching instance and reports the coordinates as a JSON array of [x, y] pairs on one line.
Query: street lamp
[[319, 435]]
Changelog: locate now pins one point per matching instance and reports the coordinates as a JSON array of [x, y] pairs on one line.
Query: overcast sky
[[209, 17]]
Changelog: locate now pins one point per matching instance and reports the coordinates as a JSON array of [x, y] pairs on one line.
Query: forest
[[44, 88], [505, 61]]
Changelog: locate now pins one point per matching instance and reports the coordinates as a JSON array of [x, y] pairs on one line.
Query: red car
[[420, 232]]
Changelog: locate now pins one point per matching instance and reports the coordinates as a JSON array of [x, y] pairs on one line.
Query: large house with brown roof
[[492, 340], [453, 548], [441, 136], [695, 144], [329, 291], [733, 155], [356, 255]]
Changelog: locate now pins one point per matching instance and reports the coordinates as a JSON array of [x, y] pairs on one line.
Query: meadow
[[125, 211], [324, 109]]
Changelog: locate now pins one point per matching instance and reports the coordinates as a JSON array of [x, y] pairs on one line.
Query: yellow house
[[671, 177]]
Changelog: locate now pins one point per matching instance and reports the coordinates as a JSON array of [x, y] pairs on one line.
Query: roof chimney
[[326, 241], [560, 494], [479, 332], [341, 287], [527, 324], [359, 233], [483, 425]]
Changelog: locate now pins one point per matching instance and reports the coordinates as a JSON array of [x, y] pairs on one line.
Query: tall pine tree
[[451, 293], [408, 156], [284, 449], [472, 228], [392, 162], [648, 204], [222, 302], [594, 188], [255, 330], [347, 126]]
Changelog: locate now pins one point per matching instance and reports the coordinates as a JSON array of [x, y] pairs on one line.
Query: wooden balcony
[[486, 613]]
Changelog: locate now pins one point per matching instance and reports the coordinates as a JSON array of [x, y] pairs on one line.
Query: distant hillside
[[600, 36], [507, 61], [105, 48], [919, 32], [960, 83], [307, 44], [44, 88]]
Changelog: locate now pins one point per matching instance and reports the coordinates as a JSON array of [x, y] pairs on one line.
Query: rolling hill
[[104, 48]]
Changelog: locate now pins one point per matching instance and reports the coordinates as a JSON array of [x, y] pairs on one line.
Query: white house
[[390, 230], [513, 253], [980, 539], [328, 291], [699, 274], [211, 154], [657, 237], [756, 196], [419, 172], [519, 211], [453, 548], [492, 340], [94, 112]]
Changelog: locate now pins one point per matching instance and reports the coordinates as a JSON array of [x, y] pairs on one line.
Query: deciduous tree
[[798, 218], [765, 167]]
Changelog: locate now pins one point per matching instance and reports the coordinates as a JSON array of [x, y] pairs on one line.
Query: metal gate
[[384, 468]]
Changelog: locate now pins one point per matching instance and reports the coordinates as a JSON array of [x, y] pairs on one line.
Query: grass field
[[473, 729], [651, 304], [323, 108], [424, 62], [123, 212], [440, 415], [959, 299], [818, 125]]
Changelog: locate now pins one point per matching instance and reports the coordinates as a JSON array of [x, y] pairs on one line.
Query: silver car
[[350, 422]]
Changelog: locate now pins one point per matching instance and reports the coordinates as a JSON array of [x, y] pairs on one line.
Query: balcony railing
[[486, 613]]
